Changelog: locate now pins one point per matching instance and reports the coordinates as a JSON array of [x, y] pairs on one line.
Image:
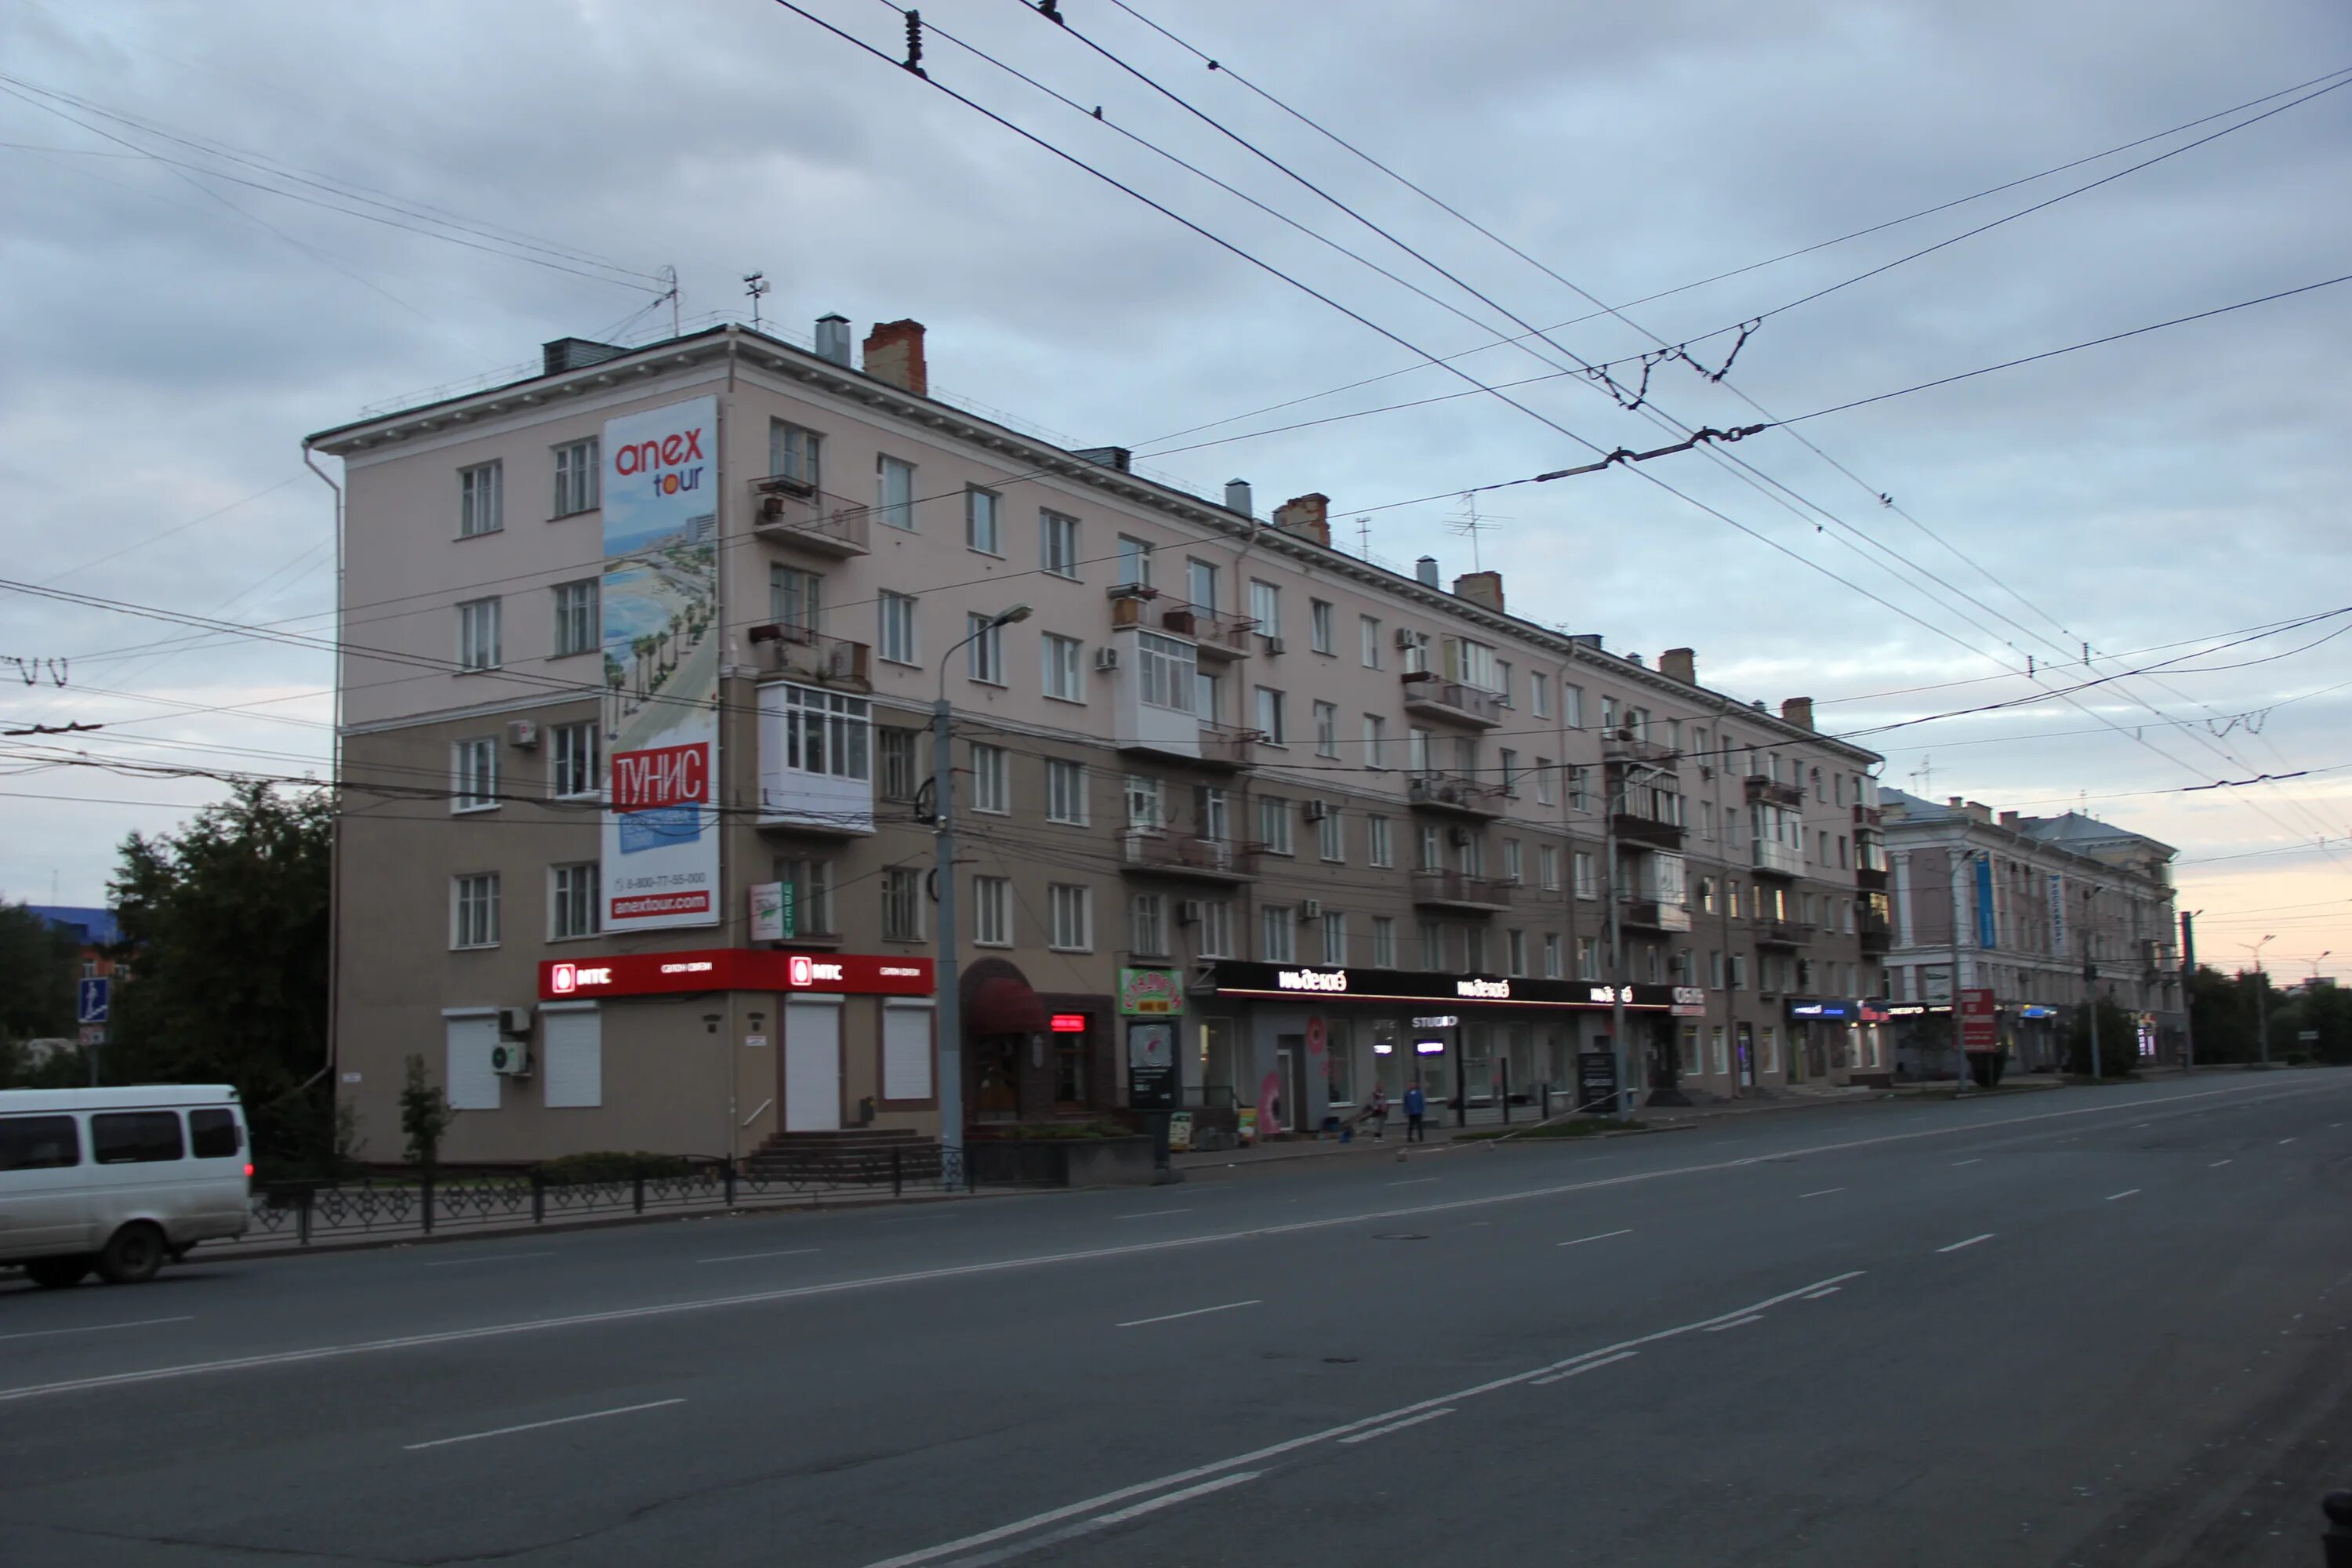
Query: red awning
[[1003, 1006]]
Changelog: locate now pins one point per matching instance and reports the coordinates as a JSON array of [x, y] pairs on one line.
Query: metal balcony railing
[[1460, 890], [791, 511], [1453, 701], [799, 654], [1760, 787], [1215, 634], [1653, 914], [1451, 792], [1188, 854]]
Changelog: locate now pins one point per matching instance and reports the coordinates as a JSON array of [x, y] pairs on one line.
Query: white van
[[119, 1179]]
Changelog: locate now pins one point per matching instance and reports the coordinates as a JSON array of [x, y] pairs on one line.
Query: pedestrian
[[1377, 1112], [1416, 1106]]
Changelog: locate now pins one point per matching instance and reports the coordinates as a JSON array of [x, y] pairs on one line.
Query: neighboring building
[[93, 930], [2036, 899], [1357, 826]]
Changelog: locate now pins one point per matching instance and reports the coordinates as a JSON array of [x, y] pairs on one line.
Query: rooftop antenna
[[670, 275], [1924, 775], [1364, 538], [756, 284], [1470, 524]]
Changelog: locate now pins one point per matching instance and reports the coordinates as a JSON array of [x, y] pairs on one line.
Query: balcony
[[1869, 879], [1216, 635], [1777, 859], [1877, 935], [1867, 816], [1772, 793], [1159, 852], [1223, 746], [1455, 795], [791, 511], [1622, 746], [1453, 701], [1652, 914], [797, 653], [1645, 831], [1782, 933], [1460, 892]]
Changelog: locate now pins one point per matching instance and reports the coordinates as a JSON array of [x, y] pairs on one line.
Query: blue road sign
[[91, 997]]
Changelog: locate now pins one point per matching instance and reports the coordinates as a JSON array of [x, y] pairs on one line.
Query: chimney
[[2009, 820], [1117, 458], [1587, 639], [574, 354], [1237, 498], [1481, 588], [833, 339], [1956, 802], [894, 353], [1307, 516], [1798, 711], [1679, 664], [1634, 659], [1425, 570], [1980, 812]]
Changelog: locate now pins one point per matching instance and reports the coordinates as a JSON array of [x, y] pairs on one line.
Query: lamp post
[[2188, 987], [949, 1010], [2262, 1012]]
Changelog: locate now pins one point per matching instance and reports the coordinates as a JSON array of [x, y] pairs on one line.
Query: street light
[[2262, 1012], [949, 1009]]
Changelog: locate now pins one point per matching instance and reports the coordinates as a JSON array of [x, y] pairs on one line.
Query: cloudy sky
[[184, 303]]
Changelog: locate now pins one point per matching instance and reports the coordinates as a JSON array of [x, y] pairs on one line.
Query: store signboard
[[1236, 977], [733, 969], [1151, 1066], [1979, 1020], [1150, 994]]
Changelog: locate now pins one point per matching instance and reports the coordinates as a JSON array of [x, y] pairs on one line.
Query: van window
[[38, 1142], [212, 1134], [134, 1136]]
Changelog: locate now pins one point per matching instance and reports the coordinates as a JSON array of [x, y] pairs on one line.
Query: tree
[[2221, 1015], [2119, 1041], [425, 1116], [226, 923], [36, 976]]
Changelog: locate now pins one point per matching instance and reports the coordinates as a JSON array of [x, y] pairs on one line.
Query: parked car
[[118, 1180]]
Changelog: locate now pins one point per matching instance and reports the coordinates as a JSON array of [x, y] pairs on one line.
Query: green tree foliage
[[36, 976], [425, 1116], [2221, 1013], [225, 924], [2118, 1040], [2326, 1012]]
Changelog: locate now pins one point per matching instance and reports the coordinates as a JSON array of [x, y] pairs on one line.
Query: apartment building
[[641, 656], [2046, 908]]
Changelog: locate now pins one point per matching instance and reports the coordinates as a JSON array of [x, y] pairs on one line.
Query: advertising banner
[[1979, 1020], [1151, 1066], [1151, 992], [1984, 902], [660, 639], [2057, 914]]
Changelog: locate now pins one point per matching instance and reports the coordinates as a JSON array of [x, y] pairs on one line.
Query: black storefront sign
[[1321, 983], [1596, 1081], [1150, 1065]]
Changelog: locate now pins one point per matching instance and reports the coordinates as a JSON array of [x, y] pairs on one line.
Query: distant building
[[93, 929]]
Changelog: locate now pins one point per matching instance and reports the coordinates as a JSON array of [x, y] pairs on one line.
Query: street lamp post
[[948, 1011], [2262, 1012]]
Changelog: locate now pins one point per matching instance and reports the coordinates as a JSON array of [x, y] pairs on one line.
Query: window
[[1714, 969], [898, 638], [894, 492], [475, 764], [811, 884], [792, 453], [1739, 972], [991, 911], [1383, 941], [825, 732], [1201, 583], [1209, 811], [902, 904], [571, 760], [1515, 952], [1367, 633], [1066, 792], [134, 1136], [577, 467], [1208, 696], [1331, 839], [1071, 911], [1327, 730], [1320, 635], [478, 635], [1146, 924], [1276, 923], [1731, 899], [987, 787], [38, 1142], [1587, 878], [1378, 849], [1431, 857], [1375, 741], [212, 1135], [576, 628], [572, 900], [1061, 657], [1608, 712], [795, 598], [1265, 606], [474, 910], [899, 777], [1216, 938], [1548, 866], [985, 652], [1544, 795], [1134, 563], [1416, 646], [479, 507], [1165, 674], [1432, 944], [1472, 663], [1416, 749], [1587, 959], [1274, 824], [1271, 720], [982, 529], [1058, 543], [1509, 773], [1503, 680], [1580, 797], [1572, 706], [1335, 939], [1551, 956], [1147, 803], [1539, 693], [1513, 871]]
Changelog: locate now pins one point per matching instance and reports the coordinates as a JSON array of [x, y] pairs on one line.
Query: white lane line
[[1969, 1242], [1150, 1213], [1823, 1193], [2137, 1125], [1292, 1445], [98, 1328], [2127, 1192], [1002, 1264], [1604, 1236], [2217, 1164], [1735, 1323], [487, 1258], [1410, 1182], [2283, 1142], [747, 1257], [536, 1426], [1187, 1495], [1588, 1366], [1171, 1317], [1817, 1295], [1397, 1425], [1978, 1161]]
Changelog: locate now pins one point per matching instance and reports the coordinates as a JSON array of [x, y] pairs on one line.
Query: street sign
[[91, 995], [2306, 1036], [1979, 1021]]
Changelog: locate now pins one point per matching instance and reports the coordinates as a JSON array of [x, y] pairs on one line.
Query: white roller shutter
[[906, 1053], [575, 1050], [468, 1080]]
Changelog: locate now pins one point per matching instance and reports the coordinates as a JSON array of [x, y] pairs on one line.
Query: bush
[[610, 1166], [2118, 1042]]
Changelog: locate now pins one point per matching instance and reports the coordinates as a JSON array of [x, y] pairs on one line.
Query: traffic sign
[[91, 995]]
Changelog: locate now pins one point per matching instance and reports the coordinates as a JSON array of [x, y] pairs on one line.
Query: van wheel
[[132, 1254], [56, 1273]]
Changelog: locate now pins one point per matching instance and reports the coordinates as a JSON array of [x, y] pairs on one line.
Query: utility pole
[[2188, 979], [1613, 786], [2090, 980], [2261, 1009], [1959, 1034]]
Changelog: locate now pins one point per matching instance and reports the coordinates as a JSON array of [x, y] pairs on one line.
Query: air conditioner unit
[[1459, 837], [514, 1023], [522, 733], [1188, 912], [1273, 644], [511, 1058], [1407, 637], [776, 485], [1106, 658], [1314, 810], [840, 661], [1310, 909], [1705, 771], [772, 508]]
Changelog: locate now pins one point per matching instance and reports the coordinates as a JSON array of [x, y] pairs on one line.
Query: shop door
[[812, 1067], [1748, 1056]]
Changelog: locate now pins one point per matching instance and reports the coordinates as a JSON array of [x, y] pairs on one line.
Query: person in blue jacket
[[1416, 1106]]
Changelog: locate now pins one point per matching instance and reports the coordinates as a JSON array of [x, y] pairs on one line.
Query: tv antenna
[[1470, 524], [756, 284]]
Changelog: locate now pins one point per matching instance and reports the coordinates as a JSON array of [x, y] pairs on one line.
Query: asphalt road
[[2101, 1326]]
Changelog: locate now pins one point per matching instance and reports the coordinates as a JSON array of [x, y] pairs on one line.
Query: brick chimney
[[1307, 516], [894, 353], [1798, 711], [1481, 588], [2009, 820], [1679, 664]]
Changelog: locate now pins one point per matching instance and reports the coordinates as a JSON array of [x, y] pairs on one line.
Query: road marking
[[747, 1257], [1817, 1295], [1397, 1425], [490, 1258], [1978, 1161], [1410, 1182], [1969, 1242], [535, 1426], [1105, 1521], [996, 1265], [2217, 1164], [2283, 1142], [1187, 1495], [1604, 1236], [2126, 1193], [1823, 1193], [2137, 1125], [1171, 1317], [1588, 1366], [1150, 1213], [1735, 1323], [98, 1328]]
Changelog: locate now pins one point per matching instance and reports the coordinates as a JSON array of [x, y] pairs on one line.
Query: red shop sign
[[733, 969]]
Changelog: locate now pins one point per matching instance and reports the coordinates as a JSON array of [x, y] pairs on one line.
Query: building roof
[[93, 927]]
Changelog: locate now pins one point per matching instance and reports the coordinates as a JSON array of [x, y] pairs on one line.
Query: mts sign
[[564, 979], [802, 971], [662, 775]]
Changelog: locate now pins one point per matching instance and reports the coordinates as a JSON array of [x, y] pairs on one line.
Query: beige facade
[[1214, 743]]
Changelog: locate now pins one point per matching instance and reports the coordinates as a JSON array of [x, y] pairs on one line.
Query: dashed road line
[[2127, 1192], [1735, 1323], [535, 1426], [98, 1328], [1197, 1312], [1588, 1366], [1397, 1425], [489, 1257], [1823, 1193], [1969, 1242], [747, 1257], [1604, 1236]]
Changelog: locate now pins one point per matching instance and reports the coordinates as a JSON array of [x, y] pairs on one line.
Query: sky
[[185, 302]]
